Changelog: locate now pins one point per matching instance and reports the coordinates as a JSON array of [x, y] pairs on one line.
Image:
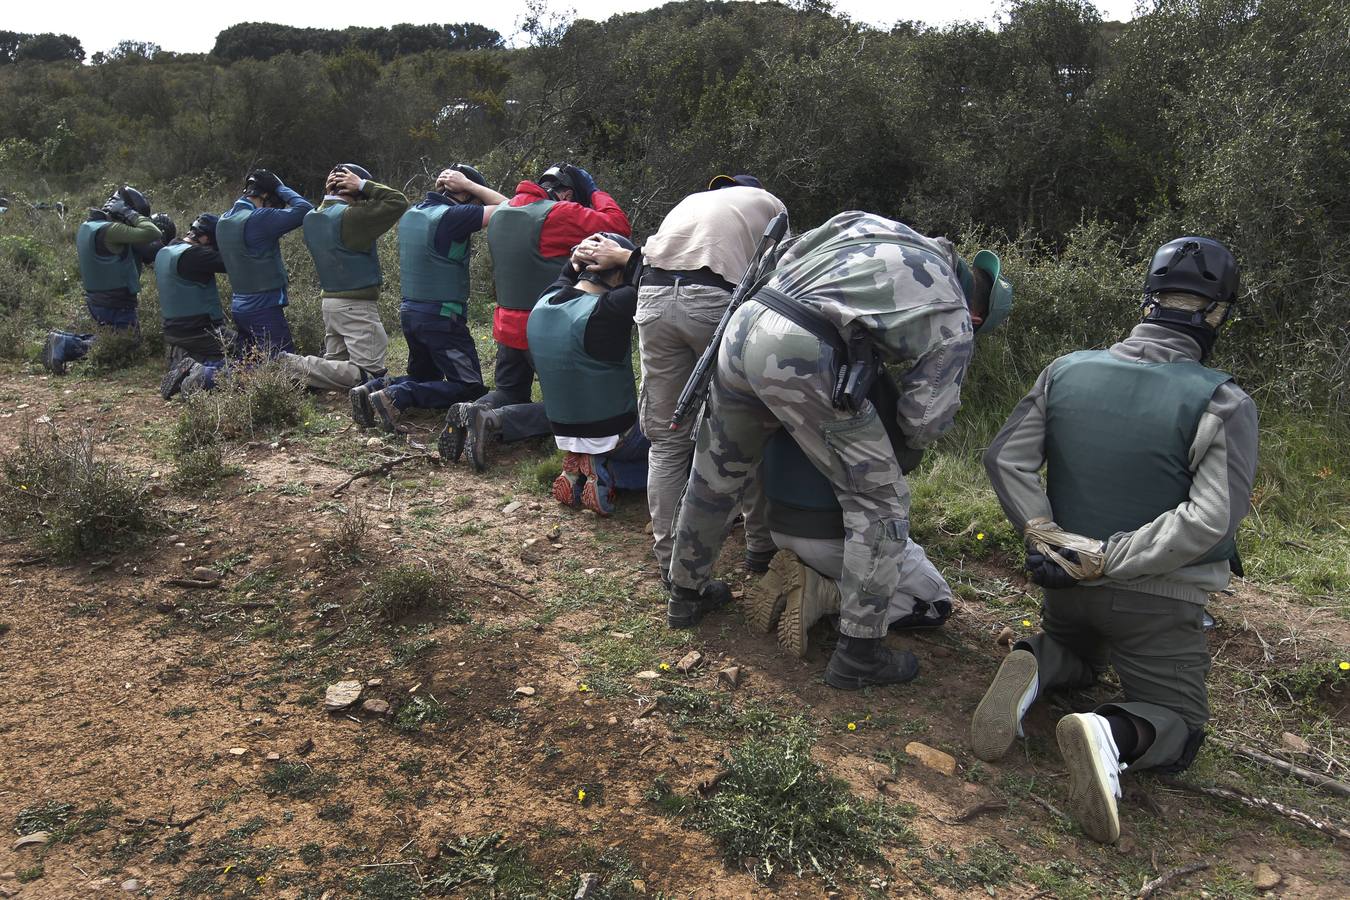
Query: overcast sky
[[192, 27]]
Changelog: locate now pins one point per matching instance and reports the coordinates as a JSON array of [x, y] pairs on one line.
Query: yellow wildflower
[[1026, 623], [1344, 666], [583, 687], [979, 535], [581, 796], [852, 726]]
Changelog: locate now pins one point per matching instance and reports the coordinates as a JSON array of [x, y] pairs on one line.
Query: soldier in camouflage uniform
[[918, 304]]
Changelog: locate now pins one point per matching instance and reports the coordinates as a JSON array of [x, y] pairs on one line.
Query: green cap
[[1000, 291]]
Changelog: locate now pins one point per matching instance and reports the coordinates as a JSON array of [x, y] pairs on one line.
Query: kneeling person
[[189, 301], [806, 523], [433, 254], [342, 236], [581, 332], [1149, 458]]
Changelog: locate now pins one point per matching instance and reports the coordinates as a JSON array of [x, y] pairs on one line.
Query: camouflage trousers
[[772, 373]]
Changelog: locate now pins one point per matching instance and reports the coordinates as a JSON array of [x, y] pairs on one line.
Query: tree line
[[1067, 140]]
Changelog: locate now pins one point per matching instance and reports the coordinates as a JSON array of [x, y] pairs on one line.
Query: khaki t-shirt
[[718, 229]]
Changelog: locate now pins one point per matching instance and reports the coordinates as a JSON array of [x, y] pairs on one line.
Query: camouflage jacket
[[860, 270]]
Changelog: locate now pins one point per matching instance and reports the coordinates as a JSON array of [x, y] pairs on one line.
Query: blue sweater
[[266, 227]]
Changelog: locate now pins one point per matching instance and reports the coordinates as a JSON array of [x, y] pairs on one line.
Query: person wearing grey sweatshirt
[[1149, 459]]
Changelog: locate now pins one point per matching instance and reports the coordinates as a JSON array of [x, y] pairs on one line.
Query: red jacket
[[566, 225]]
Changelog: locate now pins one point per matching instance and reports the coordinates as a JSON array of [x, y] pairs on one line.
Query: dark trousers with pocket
[[1156, 646], [513, 382], [443, 367]]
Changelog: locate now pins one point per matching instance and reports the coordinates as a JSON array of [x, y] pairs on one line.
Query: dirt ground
[[186, 726]]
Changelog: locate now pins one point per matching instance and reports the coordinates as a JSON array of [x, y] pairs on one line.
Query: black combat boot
[[687, 607], [862, 662]]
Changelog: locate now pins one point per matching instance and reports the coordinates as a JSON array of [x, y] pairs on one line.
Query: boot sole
[[450, 445], [563, 493], [172, 382], [386, 422], [362, 414], [766, 600], [1091, 802], [993, 728]]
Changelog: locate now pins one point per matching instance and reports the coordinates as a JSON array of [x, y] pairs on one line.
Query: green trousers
[[1157, 647]]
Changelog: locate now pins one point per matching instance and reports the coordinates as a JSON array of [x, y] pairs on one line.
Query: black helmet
[[132, 198], [260, 183], [167, 229], [205, 224], [597, 275], [565, 175], [1194, 265], [470, 173]]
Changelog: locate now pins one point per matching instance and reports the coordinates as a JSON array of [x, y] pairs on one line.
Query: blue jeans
[[628, 461], [443, 367], [70, 346], [266, 328]]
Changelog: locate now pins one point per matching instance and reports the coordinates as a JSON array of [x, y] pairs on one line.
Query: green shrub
[[74, 504], [117, 348], [777, 806], [201, 467], [399, 592]]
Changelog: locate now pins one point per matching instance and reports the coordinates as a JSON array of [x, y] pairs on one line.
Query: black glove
[[167, 229], [118, 210], [263, 182], [1043, 569]]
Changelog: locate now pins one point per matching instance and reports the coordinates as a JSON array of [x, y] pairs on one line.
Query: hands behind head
[[598, 253], [340, 181], [454, 181]]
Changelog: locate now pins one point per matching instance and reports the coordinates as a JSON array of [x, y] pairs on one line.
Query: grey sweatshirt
[[1222, 465]]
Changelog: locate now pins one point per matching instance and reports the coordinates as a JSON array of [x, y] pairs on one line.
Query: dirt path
[[140, 703]]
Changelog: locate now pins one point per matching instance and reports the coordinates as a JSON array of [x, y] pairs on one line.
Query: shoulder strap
[[804, 316]]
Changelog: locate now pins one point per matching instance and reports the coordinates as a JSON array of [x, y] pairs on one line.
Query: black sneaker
[[925, 615], [862, 662], [172, 382], [362, 413], [687, 607], [483, 426], [451, 442], [50, 348]]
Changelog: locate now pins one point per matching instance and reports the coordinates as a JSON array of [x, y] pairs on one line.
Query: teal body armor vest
[[180, 297], [425, 275], [1118, 435], [250, 272], [521, 273], [340, 268], [105, 273], [577, 387]]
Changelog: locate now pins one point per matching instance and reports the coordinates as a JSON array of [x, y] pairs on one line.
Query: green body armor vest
[[1118, 435], [105, 273], [802, 501], [425, 275], [340, 268], [577, 387], [180, 297], [520, 272], [250, 273]]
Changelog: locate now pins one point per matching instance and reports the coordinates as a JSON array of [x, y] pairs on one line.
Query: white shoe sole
[[1091, 801], [993, 728]]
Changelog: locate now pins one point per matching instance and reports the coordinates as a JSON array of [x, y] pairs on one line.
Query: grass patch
[[295, 780], [62, 821], [75, 504], [986, 865], [115, 349], [777, 807], [404, 590], [419, 711], [347, 546], [256, 396], [485, 860], [201, 467]]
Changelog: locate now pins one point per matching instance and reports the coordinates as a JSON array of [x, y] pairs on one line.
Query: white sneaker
[[998, 719], [1090, 752]]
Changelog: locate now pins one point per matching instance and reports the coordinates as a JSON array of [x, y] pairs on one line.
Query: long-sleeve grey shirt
[[1222, 461]]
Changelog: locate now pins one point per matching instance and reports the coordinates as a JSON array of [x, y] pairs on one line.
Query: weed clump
[[347, 546], [419, 711], [295, 780], [53, 487], [399, 592], [777, 806], [201, 467], [255, 395], [115, 349]]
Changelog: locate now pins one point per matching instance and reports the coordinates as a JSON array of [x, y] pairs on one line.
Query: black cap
[[723, 181]]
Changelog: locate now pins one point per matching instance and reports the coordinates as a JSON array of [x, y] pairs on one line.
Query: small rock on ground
[[691, 661], [1265, 878], [341, 695], [36, 839], [375, 707], [932, 758]]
